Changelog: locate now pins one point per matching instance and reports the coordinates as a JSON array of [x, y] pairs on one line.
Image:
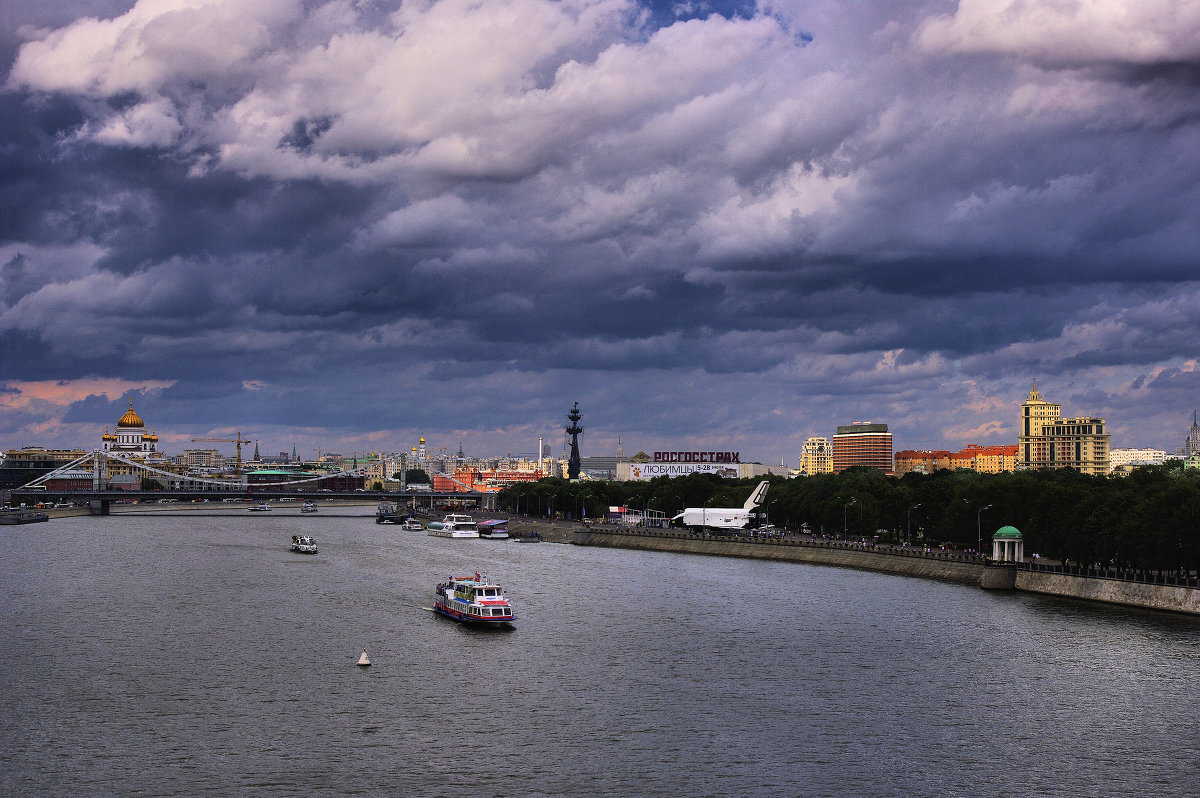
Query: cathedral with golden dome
[[131, 439]]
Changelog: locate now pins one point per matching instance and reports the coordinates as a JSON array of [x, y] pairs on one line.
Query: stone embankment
[[1111, 591], [951, 566]]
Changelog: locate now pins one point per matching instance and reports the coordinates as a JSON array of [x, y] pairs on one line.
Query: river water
[[182, 655]]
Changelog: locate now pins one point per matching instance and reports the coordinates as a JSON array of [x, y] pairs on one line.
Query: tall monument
[[573, 431]]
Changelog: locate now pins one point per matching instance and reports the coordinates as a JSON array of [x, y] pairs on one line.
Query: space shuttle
[[725, 517]]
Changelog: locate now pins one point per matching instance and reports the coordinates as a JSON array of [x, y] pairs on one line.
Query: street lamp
[[846, 510], [909, 535], [979, 531]]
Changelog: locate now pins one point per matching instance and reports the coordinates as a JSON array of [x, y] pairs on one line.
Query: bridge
[[101, 501], [100, 496]]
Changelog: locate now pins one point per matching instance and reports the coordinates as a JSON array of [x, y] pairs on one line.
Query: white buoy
[[362, 660]]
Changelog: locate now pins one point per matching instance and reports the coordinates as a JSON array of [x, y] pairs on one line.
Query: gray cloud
[[351, 223]]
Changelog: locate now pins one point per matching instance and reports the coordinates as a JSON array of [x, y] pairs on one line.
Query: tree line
[[1148, 519]]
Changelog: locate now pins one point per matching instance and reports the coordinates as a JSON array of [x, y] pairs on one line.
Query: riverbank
[[947, 566]]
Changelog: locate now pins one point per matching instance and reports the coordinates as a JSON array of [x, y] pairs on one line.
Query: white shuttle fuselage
[[725, 517]]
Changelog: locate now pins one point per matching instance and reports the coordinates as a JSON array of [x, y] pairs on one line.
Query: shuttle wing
[[756, 498]]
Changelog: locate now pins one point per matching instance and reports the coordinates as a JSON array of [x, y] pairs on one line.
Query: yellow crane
[[239, 440]]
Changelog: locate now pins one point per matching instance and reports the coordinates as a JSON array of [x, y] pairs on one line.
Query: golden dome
[[131, 419], [154, 437], [106, 436], [422, 440], [145, 436]]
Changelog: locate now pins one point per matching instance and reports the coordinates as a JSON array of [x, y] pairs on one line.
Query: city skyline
[[722, 224]]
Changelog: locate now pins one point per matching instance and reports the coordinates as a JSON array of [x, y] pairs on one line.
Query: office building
[[1046, 440], [816, 457], [862, 443]]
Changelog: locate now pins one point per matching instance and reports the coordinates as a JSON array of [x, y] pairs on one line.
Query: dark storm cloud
[[453, 217]]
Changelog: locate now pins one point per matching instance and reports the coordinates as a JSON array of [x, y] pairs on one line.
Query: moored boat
[[454, 525], [473, 600], [496, 529], [308, 507], [261, 507], [387, 514], [22, 517], [412, 524], [303, 544]]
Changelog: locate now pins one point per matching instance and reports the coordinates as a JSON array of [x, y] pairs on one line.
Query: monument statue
[[573, 431]]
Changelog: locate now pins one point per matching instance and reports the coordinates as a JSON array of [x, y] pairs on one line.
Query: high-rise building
[[816, 457], [1046, 440], [862, 443]]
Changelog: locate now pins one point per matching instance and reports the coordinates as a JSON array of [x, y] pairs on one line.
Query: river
[[185, 655]]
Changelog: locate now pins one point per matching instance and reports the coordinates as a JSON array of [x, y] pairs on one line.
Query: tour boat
[[455, 526], [412, 524], [308, 507], [261, 507], [303, 544], [473, 600]]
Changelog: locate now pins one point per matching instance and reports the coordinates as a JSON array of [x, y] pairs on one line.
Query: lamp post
[[909, 533], [846, 510], [979, 531]]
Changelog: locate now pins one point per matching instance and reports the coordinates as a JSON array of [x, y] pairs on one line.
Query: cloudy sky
[[729, 225]]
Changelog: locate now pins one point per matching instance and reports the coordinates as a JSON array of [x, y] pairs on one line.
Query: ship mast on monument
[[574, 430]]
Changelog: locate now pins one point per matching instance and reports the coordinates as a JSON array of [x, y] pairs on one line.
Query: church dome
[[106, 436], [145, 436], [154, 437], [131, 418]]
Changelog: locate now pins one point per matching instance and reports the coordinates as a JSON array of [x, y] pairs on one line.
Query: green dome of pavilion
[[1007, 533]]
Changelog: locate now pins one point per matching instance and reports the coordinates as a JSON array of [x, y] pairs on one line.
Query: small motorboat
[[308, 507], [261, 507], [303, 544]]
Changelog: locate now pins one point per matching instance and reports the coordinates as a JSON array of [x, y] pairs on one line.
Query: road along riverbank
[[949, 566]]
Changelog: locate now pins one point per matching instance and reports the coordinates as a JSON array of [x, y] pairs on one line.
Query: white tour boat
[[303, 544], [308, 507], [412, 524], [473, 600], [455, 526], [261, 507]]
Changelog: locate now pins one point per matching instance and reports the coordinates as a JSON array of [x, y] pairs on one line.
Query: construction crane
[[239, 440]]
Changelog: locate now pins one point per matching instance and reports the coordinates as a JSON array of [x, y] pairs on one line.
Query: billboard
[[652, 470]]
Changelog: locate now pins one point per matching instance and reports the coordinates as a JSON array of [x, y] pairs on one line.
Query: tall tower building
[[1036, 413], [862, 444], [816, 457], [1047, 440], [1191, 444]]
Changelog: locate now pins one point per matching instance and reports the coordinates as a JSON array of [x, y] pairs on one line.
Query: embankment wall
[[932, 565], [1112, 591]]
